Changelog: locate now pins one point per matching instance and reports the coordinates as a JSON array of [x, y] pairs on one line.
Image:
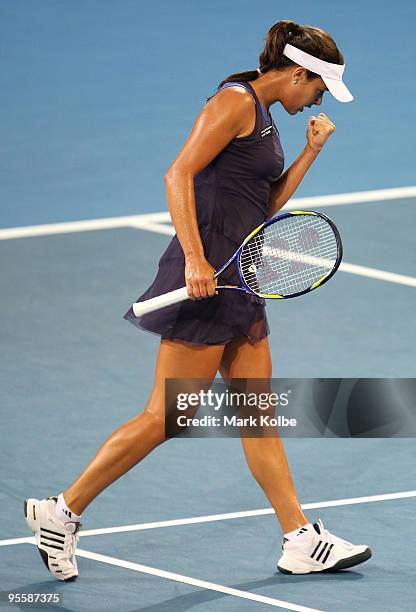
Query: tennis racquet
[[287, 256]]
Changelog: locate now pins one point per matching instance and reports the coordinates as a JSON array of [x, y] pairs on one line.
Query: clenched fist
[[319, 130]]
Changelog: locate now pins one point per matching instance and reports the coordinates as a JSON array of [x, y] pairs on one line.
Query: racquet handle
[[173, 297]]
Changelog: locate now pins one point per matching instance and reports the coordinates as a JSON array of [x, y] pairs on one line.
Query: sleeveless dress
[[232, 194]]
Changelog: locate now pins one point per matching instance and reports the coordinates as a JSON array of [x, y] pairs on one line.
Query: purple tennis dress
[[232, 194]]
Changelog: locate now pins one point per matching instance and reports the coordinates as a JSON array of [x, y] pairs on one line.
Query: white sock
[[298, 532], [65, 514]]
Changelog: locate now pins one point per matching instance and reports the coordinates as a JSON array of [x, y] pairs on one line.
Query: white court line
[[390, 277], [152, 226], [70, 227], [202, 584], [223, 517], [355, 197], [152, 222], [250, 513], [384, 275]]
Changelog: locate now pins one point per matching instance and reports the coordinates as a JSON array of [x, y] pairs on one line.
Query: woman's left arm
[[319, 130]]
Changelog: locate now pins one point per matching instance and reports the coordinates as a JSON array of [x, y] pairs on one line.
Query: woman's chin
[[294, 110]]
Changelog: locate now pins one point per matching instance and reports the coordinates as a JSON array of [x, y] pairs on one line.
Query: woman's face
[[304, 93]]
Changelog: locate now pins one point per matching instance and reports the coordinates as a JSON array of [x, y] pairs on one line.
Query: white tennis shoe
[[56, 541], [318, 550]]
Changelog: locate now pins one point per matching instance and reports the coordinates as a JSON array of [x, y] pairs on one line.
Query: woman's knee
[[155, 407], [165, 411]]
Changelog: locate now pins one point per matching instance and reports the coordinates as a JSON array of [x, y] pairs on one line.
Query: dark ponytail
[[248, 75], [314, 41]]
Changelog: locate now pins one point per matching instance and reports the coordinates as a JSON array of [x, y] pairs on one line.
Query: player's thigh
[[182, 360], [247, 368], [242, 359]]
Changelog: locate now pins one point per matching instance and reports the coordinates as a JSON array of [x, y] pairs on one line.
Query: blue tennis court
[[97, 100]]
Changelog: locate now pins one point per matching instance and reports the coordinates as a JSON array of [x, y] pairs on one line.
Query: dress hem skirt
[[213, 320]]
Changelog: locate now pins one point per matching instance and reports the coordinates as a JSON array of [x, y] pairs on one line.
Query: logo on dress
[[266, 131]]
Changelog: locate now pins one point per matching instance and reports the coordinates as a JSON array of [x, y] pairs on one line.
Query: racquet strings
[[289, 256]]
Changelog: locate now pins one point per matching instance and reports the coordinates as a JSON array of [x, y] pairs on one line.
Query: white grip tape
[[141, 308]]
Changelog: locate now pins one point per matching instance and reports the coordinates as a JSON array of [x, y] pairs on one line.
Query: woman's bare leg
[[133, 440], [266, 456]]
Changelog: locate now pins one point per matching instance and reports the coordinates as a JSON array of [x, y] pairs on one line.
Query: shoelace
[[70, 546], [333, 539]]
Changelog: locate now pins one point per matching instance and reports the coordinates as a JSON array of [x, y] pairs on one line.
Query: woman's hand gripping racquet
[[287, 256]]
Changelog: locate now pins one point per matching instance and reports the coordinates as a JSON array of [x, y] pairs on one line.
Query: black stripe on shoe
[[322, 552], [45, 537], [316, 549], [53, 532], [327, 554]]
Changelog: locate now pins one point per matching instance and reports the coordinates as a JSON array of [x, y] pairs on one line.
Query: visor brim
[[338, 89]]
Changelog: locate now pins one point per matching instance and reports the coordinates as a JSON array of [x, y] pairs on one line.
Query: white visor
[[331, 74]]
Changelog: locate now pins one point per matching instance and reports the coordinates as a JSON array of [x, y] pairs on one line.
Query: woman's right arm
[[227, 115]]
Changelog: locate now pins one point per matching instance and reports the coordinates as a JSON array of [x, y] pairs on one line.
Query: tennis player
[[226, 180]]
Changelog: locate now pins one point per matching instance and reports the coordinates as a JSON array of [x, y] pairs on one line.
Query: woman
[[226, 180]]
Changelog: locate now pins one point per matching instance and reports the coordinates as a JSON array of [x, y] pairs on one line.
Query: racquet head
[[290, 255]]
